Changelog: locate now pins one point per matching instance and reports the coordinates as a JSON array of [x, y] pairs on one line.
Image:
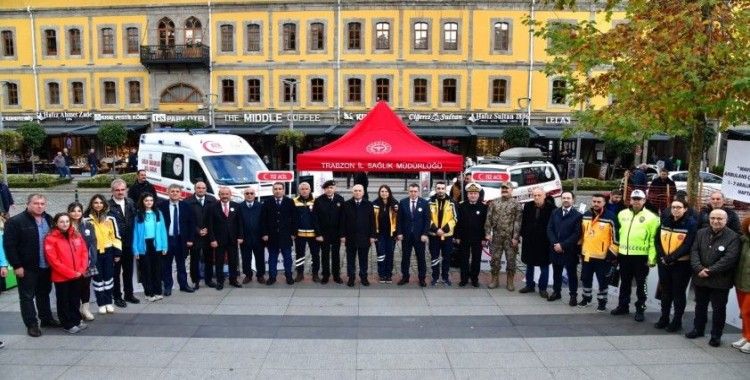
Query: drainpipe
[[33, 55], [531, 64], [210, 62], [338, 61]]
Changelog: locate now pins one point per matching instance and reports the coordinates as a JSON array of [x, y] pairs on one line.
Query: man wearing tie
[[279, 223], [200, 202], [564, 232], [358, 233], [224, 233], [178, 217], [252, 247], [413, 225]]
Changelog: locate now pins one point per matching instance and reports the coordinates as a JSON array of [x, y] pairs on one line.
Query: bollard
[[76, 195]]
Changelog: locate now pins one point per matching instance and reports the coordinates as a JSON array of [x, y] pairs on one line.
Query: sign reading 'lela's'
[[275, 176], [490, 176]]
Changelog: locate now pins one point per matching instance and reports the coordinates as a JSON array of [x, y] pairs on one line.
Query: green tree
[[33, 137], [189, 124], [516, 136], [672, 67], [10, 141], [112, 135]]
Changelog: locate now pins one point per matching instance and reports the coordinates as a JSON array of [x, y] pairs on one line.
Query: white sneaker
[[150, 298], [82, 326], [102, 310], [85, 313], [110, 308], [73, 330], [739, 343], [159, 297], [746, 348]]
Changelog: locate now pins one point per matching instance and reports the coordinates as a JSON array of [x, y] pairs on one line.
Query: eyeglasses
[[676, 207], [249, 193]]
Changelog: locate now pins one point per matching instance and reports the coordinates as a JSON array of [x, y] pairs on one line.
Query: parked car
[[710, 181]]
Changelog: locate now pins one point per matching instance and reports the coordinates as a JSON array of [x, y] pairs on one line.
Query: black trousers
[[198, 254], [33, 293], [633, 267], [300, 243], [673, 280], [85, 290], [470, 256], [257, 252], [68, 296], [331, 258], [151, 272], [718, 299], [219, 256], [124, 267], [353, 255]]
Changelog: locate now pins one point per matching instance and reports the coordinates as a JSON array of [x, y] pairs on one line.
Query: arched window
[[181, 93], [166, 32], [193, 31]]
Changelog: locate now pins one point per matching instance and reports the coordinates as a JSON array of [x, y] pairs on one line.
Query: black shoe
[[132, 299], [475, 283], [315, 277], [715, 341], [270, 281], [602, 307], [51, 323], [119, 302], [462, 283], [573, 301], [187, 290], [247, 279], [34, 331], [402, 281], [299, 278], [620, 310], [674, 326], [365, 282], [324, 280], [661, 323], [422, 283], [639, 317], [526, 289], [211, 284], [219, 286], [235, 284], [168, 292], [694, 334], [350, 282], [585, 302], [290, 281], [196, 286], [554, 297], [338, 280], [543, 294]]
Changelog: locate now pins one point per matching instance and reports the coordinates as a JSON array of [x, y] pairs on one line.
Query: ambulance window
[[173, 166], [197, 174]]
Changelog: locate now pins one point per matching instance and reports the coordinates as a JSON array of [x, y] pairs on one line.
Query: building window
[[110, 92], [502, 36], [77, 92], [355, 35], [53, 92], [450, 36], [181, 93], [74, 41], [50, 36], [134, 92], [420, 90], [193, 31], [108, 41], [11, 94], [355, 90], [227, 38], [317, 90], [317, 36], [9, 49], [166, 32], [421, 36], [499, 91], [449, 90], [382, 36], [290, 37], [383, 89], [290, 90], [253, 90], [559, 92], [133, 40], [227, 91], [253, 37]]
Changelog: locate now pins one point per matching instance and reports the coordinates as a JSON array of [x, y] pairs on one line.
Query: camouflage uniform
[[504, 222]]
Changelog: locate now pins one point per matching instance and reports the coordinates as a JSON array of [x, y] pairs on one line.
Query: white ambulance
[[185, 158]]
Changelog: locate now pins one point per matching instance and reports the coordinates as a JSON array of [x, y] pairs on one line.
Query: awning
[[557, 133], [91, 130], [444, 131], [53, 130]]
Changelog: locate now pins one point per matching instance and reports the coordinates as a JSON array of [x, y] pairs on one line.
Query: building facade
[[458, 72]]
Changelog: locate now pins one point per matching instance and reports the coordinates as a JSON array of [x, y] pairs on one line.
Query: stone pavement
[[384, 331]]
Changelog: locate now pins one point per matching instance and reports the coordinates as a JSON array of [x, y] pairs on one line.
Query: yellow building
[[457, 72]]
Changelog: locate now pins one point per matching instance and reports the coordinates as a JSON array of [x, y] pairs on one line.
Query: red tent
[[381, 142]]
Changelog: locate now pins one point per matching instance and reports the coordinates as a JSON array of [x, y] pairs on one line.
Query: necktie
[[278, 202], [176, 220], [201, 201], [565, 212], [413, 207], [226, 209]]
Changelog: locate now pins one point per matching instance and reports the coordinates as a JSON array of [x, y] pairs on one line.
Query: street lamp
[[292, 83], [211, 100], [3, 85], [525, 103]]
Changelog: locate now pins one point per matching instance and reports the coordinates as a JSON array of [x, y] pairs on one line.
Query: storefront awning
[[53, 130], [445, 131], [91, 130]]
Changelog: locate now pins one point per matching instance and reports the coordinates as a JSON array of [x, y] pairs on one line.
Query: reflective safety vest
[[637, 233]]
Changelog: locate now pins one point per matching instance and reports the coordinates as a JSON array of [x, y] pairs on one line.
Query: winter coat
[[719, 252], [535, 244], [742, 275], [565, 230], [67, 256]]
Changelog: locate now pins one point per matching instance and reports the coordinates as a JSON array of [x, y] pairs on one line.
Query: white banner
[[736, 181]]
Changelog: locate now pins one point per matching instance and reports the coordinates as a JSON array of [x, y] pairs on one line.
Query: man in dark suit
[[564, 232], [178, 217], [279, 221], [358, 233], [122, 209], [413, 226], [252, 247], [327, 214], [200, 202], [224, 233]]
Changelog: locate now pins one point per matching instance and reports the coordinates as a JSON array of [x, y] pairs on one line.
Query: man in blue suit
[[279, 224], [252, 246], [564, 232], [178, 217], [413, 226]]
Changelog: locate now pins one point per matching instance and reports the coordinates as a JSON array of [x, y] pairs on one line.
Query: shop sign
[[557, 120], [164, 118], [121, 117], [353, 116], [272, 117], [435, 117], [275, 176], [18, 118], [68, 116], [498, 117]]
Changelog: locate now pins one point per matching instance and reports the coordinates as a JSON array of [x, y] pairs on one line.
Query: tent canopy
[[381, 142]]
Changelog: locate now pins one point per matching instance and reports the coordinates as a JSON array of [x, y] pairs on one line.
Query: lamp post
[[211, 100], [3, 85], [292, 98]]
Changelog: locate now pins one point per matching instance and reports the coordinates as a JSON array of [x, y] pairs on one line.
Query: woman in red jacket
[[68, 258]]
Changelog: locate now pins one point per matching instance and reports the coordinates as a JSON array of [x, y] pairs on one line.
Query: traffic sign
[[275, 176], [490, 176]]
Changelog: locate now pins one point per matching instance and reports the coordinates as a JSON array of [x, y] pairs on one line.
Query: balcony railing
[[161, 55]]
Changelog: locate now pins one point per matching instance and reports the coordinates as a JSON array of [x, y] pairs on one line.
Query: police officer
[[503, 229], [469, 234], [413, 224], [304, 203], [442, 225], [327, 214]]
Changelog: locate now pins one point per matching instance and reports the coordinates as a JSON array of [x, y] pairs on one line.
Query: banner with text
[[736, 181]]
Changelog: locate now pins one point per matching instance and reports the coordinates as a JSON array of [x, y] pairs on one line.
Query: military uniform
[[504, 222], [306, 237]]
